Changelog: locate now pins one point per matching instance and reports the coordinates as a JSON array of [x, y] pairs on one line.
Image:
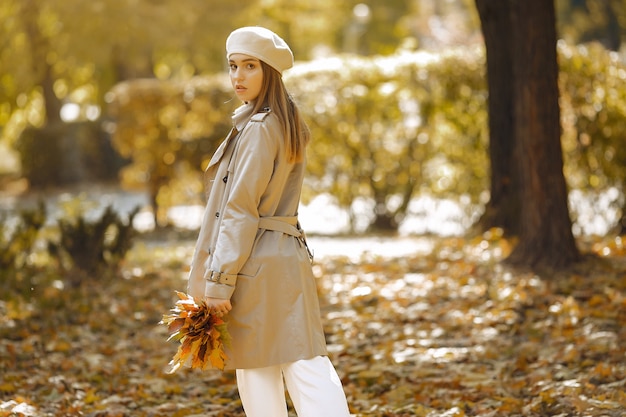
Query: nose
[[237, 73]]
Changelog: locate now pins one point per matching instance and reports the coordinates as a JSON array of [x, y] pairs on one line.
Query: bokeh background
[[111, 109], [123, 101]]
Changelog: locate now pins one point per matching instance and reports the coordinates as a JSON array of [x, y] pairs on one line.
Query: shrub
[[88, 250], [67, 153], [389, 128], [385, 129], [16, 246]]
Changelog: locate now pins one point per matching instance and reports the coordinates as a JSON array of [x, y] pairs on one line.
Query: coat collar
[[241, 117]]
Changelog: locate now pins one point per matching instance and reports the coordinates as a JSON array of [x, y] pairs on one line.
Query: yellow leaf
[[597, 300], [7, 387], [62, 346], [603, 370], [91, 397], [218, 359]]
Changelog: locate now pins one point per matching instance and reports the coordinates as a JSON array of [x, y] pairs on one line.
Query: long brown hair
[[274, 95]]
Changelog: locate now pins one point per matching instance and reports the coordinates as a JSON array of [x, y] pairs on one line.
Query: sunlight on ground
[[416, 326]]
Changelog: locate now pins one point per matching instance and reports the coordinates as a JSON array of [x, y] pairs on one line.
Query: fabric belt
[[288, 225]]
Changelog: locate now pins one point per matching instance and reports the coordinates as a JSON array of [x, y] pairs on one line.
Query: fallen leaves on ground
[[448, 332]]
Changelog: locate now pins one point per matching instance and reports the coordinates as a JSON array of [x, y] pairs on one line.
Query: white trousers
[[313, 385]]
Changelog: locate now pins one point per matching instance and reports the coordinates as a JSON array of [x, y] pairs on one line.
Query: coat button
[[217, 214], [225, 179]]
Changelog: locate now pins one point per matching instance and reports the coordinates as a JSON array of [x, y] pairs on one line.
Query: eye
[[251, 66], [233, 67]]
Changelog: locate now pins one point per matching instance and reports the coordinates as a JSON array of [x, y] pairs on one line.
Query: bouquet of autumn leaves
[[201, 333]]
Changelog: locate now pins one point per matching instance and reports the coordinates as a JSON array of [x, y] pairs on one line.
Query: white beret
[[262, 44]]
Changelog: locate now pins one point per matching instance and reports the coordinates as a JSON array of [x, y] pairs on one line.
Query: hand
[[219, 305]]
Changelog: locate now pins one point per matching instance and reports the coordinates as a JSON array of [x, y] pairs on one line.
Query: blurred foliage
[[47, 48], [48, 61], [36, 250], [388, 128], [582, 21], [169, 131], [593, 106], [382, 128], [593, 118], [48, 58], [65, 153], [141, 38], [17, 242], [309, 27], [86, 249], [385, 129]]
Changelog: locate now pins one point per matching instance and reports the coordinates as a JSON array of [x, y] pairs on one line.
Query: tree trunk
[[546, 238], [504, 206], [52, 104], [613, 30], [42, 68]]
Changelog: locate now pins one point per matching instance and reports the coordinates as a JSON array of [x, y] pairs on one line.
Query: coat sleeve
[[252, 171]]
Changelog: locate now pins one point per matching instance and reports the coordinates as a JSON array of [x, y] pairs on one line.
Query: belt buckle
[[215, 276]]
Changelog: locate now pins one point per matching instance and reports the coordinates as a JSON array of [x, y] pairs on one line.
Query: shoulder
[[265, 123], [262, 115], [262, 130]]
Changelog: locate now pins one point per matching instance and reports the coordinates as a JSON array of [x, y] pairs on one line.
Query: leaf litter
[[447, 330]]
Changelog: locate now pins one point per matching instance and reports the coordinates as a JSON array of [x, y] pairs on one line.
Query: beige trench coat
[[251, 250]]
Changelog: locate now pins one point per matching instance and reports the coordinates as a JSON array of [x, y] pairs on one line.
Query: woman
[[251, 260]]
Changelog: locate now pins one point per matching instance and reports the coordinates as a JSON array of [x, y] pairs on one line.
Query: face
[[246, 76]]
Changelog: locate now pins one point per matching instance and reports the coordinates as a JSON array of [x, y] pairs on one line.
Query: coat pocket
[[253, 264], [250, 268]]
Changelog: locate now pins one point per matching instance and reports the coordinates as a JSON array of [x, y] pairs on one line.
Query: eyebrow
[[245, 60]]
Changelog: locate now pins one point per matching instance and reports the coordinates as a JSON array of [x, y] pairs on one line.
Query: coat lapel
[[219, 153], [241, 116]]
